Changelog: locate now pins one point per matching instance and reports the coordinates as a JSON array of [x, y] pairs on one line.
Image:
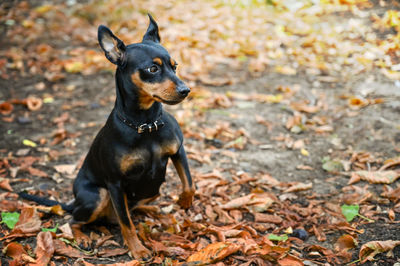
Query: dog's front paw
[[186, 199], [138, 251], [81, 239]]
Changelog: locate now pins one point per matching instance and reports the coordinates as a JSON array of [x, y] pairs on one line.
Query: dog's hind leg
[[91, 203]]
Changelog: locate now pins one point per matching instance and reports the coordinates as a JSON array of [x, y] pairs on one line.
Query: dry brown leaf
[[303, 107], [18, 253], [44, 248], [63, 249], [392, 215], [290, 260], [111, 252], [129, 263], [267, 218], [260, 200], [29, 222], [66, 231], [36, 172], [5, 184], [390, 163], [372, 248], [214, 252], [298, 187], [375, 177], [65, 168]]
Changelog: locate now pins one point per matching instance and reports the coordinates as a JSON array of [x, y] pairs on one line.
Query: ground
[[282, 135]]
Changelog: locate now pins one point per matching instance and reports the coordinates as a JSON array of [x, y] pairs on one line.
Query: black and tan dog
[[127, 161]]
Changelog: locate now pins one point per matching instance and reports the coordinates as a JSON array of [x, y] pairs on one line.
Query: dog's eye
[[153, 69], [174, 66]]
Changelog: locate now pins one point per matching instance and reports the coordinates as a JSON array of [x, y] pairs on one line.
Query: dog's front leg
[[128, 230], [188, 188]]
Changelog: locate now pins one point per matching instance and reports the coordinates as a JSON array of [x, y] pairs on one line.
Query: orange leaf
[[5, 184], [214, 252], [345, 242], [14, 250], [290, 260], [267, 218], [6, 108], [44, 248]]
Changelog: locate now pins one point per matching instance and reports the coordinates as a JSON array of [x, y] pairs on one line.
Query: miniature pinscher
[[127, 161]]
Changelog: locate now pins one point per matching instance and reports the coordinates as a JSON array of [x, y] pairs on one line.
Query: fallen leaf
[[15, 250], [214, 252], [299, 187], [37, 172], [44, 248], [111, 252], [375, 177], [248, 200], [34, 103], [66, 231], [345, 242], [6, 108], [372, 248], [29, 143], [65, 168], [274, 237], [29, 221], [5, 184], [63, 249], [290, 260], [350, 211], [10, 218], [267, 218]]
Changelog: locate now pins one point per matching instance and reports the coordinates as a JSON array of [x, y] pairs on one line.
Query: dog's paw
[[139, 252], [186, 199]]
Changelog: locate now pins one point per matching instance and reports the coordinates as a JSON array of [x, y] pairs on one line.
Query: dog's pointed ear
[[152, 31], [113, 47]]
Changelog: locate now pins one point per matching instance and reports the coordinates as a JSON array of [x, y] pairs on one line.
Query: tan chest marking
[[127, 161]]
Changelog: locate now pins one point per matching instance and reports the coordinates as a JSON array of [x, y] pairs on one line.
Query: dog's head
[[149, 66]]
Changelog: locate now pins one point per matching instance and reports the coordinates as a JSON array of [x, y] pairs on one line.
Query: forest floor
[[286, 124]]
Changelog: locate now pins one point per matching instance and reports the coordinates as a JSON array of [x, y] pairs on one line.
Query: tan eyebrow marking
[[158, 61], [172, 61]]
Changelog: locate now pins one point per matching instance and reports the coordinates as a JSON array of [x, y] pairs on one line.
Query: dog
[[126, 163]]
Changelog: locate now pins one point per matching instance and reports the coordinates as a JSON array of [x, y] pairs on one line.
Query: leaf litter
[[238, 216]]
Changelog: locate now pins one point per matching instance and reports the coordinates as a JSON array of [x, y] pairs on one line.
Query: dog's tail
[[47, 202]]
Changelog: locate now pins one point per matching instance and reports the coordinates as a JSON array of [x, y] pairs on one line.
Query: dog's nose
[[183, 90]]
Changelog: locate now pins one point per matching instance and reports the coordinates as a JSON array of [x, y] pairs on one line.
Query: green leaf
[[332, 165], [273, 237], [350, 211], [54, 230], [10, 218]]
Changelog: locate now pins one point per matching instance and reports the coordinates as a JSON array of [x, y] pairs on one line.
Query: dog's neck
[[127, 102]]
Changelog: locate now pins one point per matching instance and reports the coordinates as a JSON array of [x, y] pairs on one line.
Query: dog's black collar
[[145, 127]]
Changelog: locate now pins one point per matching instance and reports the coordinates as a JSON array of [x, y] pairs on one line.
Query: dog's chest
[[147, 159]]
